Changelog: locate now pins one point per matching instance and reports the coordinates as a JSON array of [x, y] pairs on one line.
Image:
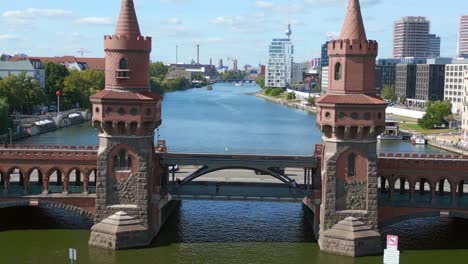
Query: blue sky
[[224, 28]]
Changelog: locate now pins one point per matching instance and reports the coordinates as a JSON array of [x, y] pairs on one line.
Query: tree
[[291, 96], [55, 76], [311, 101], [276, 91], [80, 85], [403, 100], [4, 115], [436, 112], [22, 92], [388, 93], [260, 81], [157, 69]]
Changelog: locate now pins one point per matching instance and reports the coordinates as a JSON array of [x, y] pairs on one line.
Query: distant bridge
[[267, 164]]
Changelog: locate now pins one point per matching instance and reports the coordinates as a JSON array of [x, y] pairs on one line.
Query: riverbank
[[29, 126], [290, 103], [448, 142]]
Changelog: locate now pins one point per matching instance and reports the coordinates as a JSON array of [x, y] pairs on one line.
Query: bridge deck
[[239, 160]]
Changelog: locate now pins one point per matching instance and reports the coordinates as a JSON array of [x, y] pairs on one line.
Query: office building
[[324, 55], [430, 82], [434, 46], [279, 66], [405, 80], [465, 109], [298, 71], [411, 37], [454, 84], [463, 37], [384, 75]]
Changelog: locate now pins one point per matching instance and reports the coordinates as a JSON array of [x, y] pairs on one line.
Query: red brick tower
[[126, 113], [350, 117]]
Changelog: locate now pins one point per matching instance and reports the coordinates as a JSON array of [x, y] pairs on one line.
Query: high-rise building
[[411, 37], [220, 64], [279, 66], [430, 82], [324, 55], [463, 37], [454, 89], [434, 46]]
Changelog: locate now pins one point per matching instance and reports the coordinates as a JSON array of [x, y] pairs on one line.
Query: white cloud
[[95, 21], [32, 13], [8, 37], [174, 21], [264, 4]]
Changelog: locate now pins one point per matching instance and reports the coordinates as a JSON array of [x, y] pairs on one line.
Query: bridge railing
[[47, 147], [422, 156]]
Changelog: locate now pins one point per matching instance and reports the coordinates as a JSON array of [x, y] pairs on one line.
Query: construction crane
[[234, 63], [83, 51]]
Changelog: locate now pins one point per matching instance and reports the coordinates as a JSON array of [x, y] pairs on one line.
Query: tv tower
[[289, 31]]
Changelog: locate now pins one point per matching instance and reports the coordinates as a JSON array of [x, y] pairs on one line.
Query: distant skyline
[[241, 29]]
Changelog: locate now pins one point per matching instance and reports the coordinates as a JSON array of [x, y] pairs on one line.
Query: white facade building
[[465, 111], [279, 66], [28, 67], [324, 80], [454, 81]]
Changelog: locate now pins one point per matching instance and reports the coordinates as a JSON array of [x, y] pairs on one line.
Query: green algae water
[[219, 232]]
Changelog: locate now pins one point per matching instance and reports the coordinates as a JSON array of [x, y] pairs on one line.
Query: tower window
[[122, 161], [123, 71], [351, 165], [338, 71]]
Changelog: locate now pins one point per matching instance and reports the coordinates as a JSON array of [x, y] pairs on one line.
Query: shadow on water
[[430, 233], [36, 218], [241, 222]]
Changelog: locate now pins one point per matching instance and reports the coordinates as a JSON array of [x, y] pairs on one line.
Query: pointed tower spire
[[353, 27], [128, 21]]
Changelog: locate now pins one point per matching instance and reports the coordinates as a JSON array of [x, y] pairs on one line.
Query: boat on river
[[209, 87], [392, 130], [418, 140]]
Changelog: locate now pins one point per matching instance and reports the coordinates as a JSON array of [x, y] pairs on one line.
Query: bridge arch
[[273, 172], [386, 218], [48, 204]]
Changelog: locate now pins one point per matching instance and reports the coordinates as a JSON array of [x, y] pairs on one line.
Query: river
[[223, 120]]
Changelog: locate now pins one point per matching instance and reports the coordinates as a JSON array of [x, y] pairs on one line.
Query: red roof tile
[[358, 99], [127, 95]]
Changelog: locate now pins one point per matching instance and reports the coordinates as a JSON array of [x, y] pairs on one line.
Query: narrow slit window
[[351, 165]]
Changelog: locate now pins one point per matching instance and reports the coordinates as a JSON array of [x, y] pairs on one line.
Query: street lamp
[[11, 136], [58, 93]]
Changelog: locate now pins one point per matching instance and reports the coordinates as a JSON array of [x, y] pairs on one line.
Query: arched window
[[338, 71], [351, 165], [123, 71], [122, 161]]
